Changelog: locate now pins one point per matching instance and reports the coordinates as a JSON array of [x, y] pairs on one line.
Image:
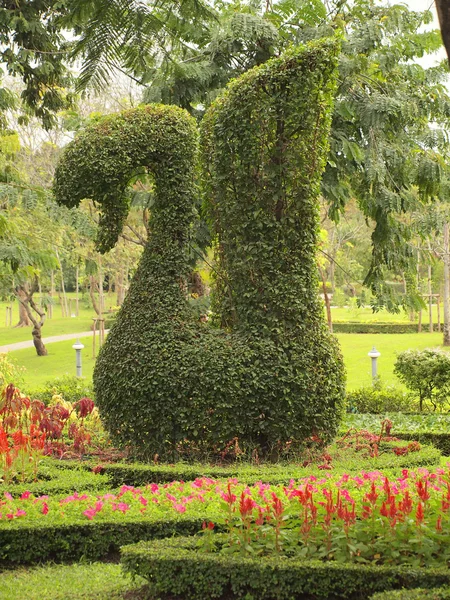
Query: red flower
[[4, 444], [422, 490], [372, 496], [229, 498], [246, 505], [419, 514], [277, 505]]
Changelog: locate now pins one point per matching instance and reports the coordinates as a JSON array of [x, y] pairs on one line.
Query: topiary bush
[[271, 375]]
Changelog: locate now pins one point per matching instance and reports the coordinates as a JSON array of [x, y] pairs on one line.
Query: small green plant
[[378, 399], [9, 371], [427, 373], [68, 387]]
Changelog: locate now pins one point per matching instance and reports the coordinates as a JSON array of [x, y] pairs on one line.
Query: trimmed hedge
[[177, 568], [139, 474], [54, 481], [418, 594], [441, 441], [353, 327], [22, 543]]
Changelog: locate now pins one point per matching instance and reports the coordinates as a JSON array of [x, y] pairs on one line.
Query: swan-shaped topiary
[[271, 375]]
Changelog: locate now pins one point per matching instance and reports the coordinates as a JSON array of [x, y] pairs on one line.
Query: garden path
[[49, 340]]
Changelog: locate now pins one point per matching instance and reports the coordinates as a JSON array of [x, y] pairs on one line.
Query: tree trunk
[[63, 287], [24, 320], [77, 292], [28, 303], [92, 286], [430, 300], [446, 341], [327, 299], [120, 287], [101, 301]]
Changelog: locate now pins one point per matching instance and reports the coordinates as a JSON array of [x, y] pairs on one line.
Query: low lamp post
[[78, 347], [374, 354]]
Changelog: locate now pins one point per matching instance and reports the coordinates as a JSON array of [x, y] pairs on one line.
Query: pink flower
[[8, 496], [20, 513], [44, 508], [90, 513], [179, 508], [25, 495], [143, 501], [122, 507]]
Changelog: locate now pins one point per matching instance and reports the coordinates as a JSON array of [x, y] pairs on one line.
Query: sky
[[421, 5]]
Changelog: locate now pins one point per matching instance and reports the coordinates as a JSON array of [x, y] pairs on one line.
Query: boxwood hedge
[[175, 568]]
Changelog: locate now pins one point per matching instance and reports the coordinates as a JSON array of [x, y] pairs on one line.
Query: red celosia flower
[[439, 524], [4, 444], [229, 498], [277, 505], [405, 505], [372, 496], [422, 490], [419, 514], [246, 505]]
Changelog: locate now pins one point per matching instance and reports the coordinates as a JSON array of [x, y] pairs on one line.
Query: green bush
[[379, 399], [418, 594], [176, 568], [426, 372], [166, 384], [71, 388]]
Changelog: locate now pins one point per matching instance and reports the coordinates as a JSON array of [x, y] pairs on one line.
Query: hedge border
[[354, 327], [138, 474], [441, 441], [25, 544], [175, 567]]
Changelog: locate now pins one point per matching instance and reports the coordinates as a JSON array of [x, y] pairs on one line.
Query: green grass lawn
[[59, 361], [61, 357], [356, 346], [365, 315], [56, 326]]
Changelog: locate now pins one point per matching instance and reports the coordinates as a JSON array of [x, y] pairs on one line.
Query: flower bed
[[346, 518], [175, 568]]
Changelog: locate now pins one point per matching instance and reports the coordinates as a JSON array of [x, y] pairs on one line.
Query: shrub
[[167, 385], [426, 372], [9, 371], [175, 568], [379, 399], [68, 387]]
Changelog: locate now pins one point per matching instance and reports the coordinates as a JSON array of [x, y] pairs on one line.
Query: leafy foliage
[[169, 564], [165, 383], [426, 372]]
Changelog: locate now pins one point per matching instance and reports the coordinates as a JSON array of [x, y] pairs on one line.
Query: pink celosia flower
[[25, 495]]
